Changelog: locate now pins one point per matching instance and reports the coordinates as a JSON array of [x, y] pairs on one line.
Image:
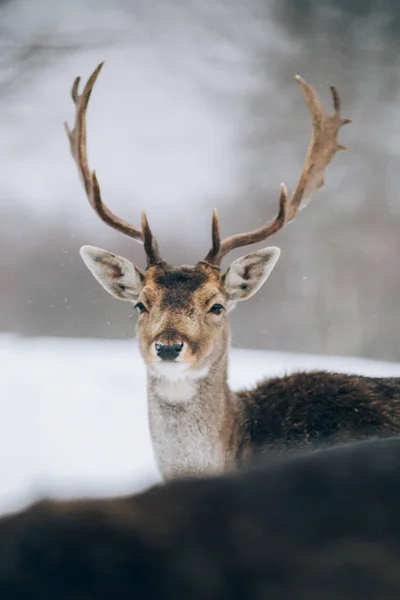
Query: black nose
[[168, 351]]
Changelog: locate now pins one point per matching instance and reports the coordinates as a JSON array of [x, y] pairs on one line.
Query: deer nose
[[168, 351]]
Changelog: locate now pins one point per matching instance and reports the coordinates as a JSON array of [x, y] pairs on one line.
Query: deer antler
[[323, 147], [77, 139]]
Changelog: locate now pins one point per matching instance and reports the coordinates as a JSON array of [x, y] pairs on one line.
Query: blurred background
[[196, 108]]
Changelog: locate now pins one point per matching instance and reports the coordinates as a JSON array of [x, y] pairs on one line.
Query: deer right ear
[[248, 273], [116, 274]]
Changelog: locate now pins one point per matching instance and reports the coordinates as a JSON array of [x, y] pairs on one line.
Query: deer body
[[320, 526], [211, 432], [197, 424]]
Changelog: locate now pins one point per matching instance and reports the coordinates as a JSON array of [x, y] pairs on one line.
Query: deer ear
[[247, 274], [116, 274]]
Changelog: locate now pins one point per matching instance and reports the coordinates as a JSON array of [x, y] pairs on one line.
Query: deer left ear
[[115, 273], [247, 274]]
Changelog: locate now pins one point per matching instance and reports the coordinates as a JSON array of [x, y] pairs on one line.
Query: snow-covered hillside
[[73, 413]]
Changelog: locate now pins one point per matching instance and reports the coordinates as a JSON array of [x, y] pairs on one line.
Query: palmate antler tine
[[77, 139], [322, 148]]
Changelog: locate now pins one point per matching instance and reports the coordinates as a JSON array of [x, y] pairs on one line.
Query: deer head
[[182, 325]]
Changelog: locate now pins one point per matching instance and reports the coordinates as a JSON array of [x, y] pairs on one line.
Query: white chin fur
[[170, 370], [176, 371]]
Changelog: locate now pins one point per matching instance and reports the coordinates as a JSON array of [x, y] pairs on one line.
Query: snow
[[74, 419]]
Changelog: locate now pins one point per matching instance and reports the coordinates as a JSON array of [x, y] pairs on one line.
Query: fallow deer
[[197, 423], [321, 526]]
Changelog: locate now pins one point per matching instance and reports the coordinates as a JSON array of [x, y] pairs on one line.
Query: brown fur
[[199, 425], [316, 408], [280, 414], [203, 426], [323, 526]]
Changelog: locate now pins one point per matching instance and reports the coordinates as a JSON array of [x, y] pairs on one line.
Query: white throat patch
[[175, 383], [173, 371]]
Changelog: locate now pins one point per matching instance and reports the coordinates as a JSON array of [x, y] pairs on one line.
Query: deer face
[[182, 321]]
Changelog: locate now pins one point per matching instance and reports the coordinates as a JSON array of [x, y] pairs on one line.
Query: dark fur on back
[[323, 526], [317, 409]]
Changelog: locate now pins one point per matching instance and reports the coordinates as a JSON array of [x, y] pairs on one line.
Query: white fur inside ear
[[247, 274], [115, 273]]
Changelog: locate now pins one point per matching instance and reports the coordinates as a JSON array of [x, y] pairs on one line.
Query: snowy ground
[[73, 413]]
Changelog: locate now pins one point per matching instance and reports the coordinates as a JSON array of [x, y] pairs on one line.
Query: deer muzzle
[[168, 351]]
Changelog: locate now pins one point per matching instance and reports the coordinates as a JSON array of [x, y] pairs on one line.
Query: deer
[[318, 525], [198, 424]]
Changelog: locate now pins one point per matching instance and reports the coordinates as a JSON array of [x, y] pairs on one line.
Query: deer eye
[[140, 307], [216, 309]]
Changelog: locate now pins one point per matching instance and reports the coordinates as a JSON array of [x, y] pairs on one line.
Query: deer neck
[[191, 419]]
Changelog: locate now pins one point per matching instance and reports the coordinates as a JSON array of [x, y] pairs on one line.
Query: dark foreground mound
[[322, 526]]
